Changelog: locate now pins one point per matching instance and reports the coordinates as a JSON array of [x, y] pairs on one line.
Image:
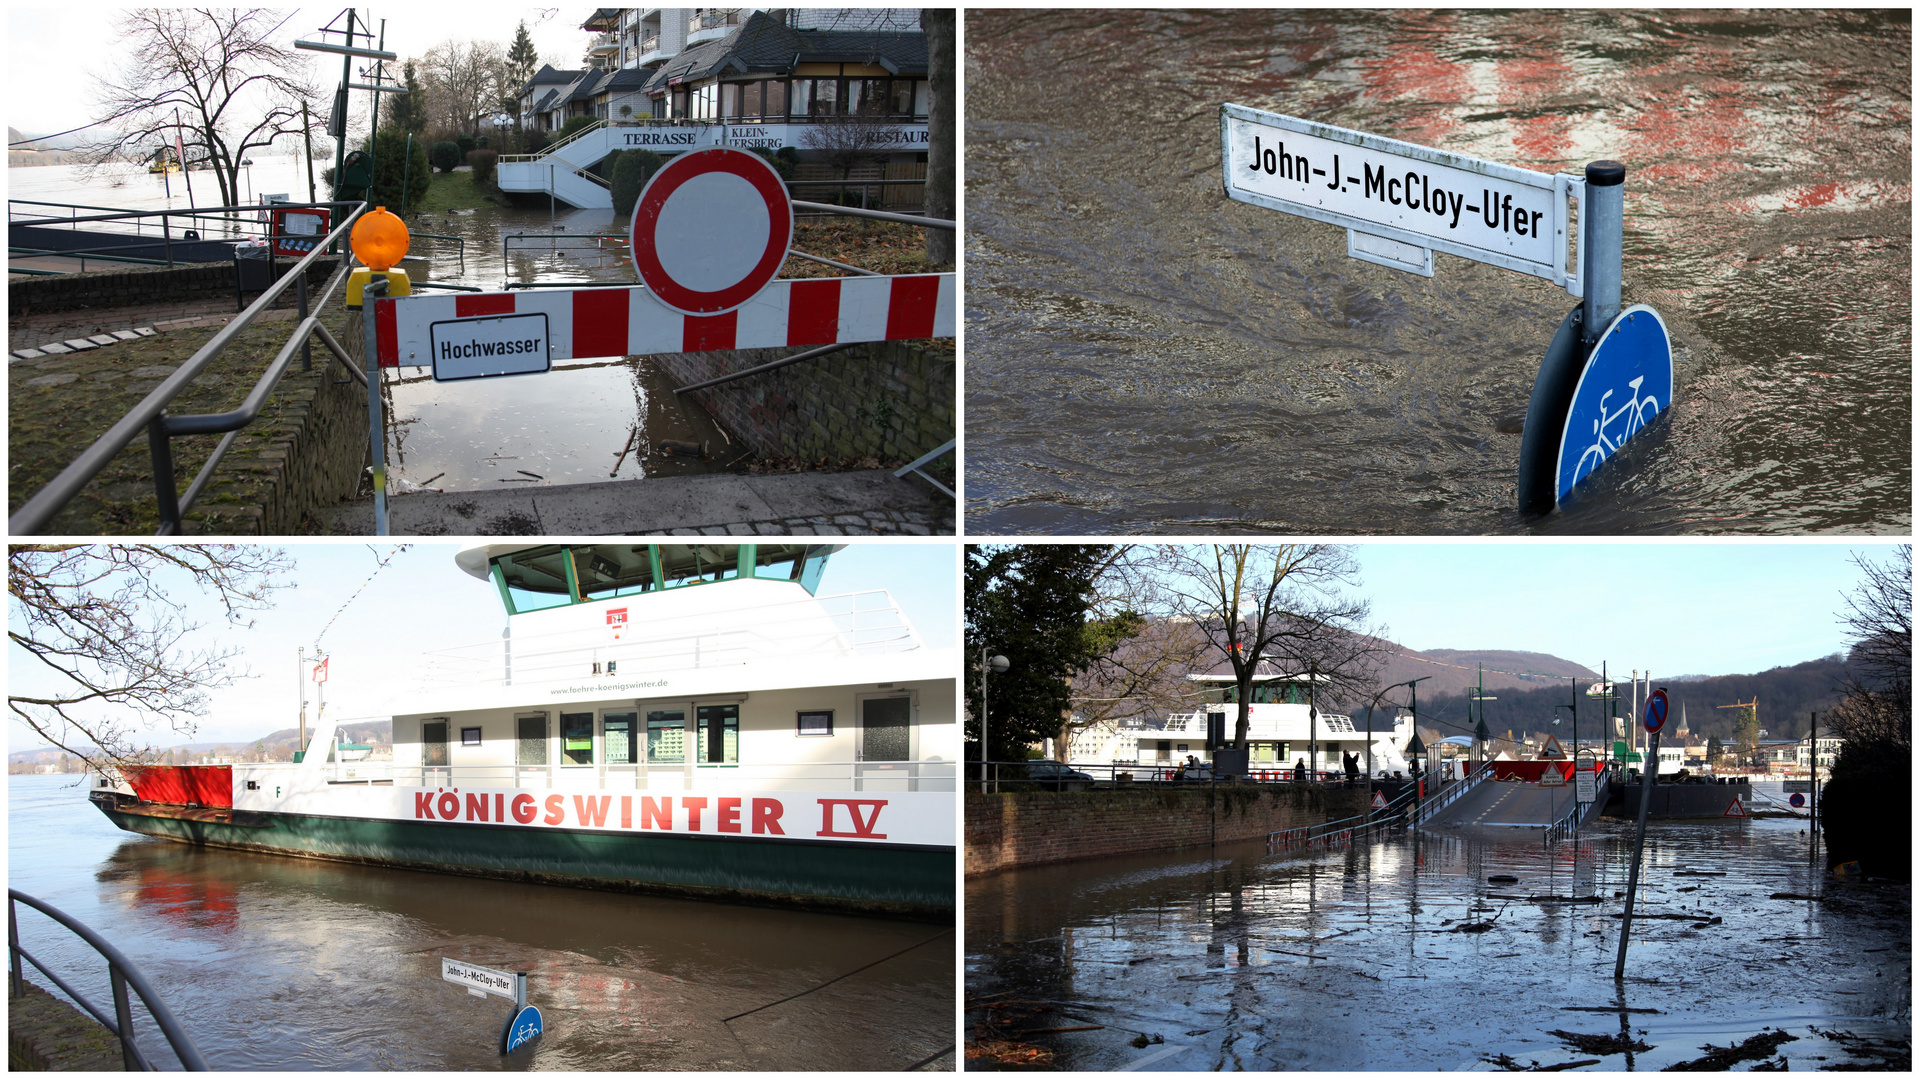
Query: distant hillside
[[279, 745], [1451, 671], [1786, 695]]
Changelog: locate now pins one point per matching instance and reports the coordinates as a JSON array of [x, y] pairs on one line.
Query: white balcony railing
[[922, 775]]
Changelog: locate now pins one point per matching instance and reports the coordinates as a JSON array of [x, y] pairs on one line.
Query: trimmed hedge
[[446, 156], [630, 174], [482, 162]]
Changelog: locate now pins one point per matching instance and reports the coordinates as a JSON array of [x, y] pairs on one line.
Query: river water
[[296, 964], [1144, 356], [585, 421], [1401, 954]]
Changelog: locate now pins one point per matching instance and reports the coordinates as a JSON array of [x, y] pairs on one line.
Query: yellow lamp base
[[361, 277]]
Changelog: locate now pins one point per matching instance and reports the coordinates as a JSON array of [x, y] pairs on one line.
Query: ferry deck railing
[[1569, 821], [234, 225], [151, 413], [121, 974]]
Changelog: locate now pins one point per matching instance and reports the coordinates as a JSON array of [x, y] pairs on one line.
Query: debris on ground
[[1722, 1058], [1506, 1062], [1893, 1055], [1600, 1044], [787, 464], [1008, 1054]]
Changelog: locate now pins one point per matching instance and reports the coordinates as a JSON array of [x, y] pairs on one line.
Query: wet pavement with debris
[[1402, 954]]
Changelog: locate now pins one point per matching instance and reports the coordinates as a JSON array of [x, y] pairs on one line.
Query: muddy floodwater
[[1402, 955], [277, 963], [1144, 356], [585, 421]]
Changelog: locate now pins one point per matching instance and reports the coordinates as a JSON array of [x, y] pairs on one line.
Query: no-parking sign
[[1654, 717]]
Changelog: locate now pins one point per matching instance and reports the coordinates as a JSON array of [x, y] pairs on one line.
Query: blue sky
[[422, 602], [1679, 608]]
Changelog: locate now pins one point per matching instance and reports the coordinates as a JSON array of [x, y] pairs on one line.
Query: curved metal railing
[[120, 972]]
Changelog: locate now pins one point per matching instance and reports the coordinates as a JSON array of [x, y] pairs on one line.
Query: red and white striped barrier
[[584, 323]]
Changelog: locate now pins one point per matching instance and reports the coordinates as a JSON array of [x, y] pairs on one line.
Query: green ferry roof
[[532, 577]]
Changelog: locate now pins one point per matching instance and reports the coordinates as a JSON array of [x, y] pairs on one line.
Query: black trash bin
[[253, 270]]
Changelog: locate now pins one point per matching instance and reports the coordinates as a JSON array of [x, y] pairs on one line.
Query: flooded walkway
[[1402, 955]]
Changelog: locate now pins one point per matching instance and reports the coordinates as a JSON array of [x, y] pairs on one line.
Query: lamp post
[[1376, 701], [997, 665], [1416, 750]]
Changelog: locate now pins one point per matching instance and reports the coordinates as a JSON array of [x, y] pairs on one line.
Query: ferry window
[[605, 571], [469, 736], [696, 564], [533, 580], [667, 736], [617, 739], [817, 723], [533, 739], [884, 728], [719, 733], [816, 564], [433, 743], [781, 562], [576, 738]]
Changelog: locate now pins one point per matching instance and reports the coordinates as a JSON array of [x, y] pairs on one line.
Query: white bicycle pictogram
[[1639, 411]]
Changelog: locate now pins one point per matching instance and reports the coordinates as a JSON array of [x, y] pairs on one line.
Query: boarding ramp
[[1515, 804]]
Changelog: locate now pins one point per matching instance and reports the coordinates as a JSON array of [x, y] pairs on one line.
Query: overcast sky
[[53, 52], [422, 602], [1677, 608]]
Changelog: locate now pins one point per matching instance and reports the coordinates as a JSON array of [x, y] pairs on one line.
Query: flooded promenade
[[1402, 954], [341, 963]]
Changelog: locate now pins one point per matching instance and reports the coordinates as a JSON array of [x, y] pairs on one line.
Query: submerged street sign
[[478, 980], [1400, 202]]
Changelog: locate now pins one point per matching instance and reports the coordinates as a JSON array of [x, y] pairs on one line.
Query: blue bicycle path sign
[[1655, 715], [521, 1030], [1627, 381]]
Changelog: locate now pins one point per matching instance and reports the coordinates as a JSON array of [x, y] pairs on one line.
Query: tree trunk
[[937, 24]]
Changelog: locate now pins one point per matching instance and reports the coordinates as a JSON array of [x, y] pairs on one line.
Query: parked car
[[1055, 776]]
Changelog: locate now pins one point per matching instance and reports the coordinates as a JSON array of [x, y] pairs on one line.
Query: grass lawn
[[454, 191]]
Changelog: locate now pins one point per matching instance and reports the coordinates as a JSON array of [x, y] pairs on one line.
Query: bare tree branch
[[112, 650]]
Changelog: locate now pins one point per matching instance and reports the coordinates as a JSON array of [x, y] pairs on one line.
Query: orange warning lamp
[[380, 240]]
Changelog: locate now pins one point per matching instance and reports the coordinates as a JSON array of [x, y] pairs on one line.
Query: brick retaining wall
[[45, 1034], [139, 285], [1009, 830], [892, 400]]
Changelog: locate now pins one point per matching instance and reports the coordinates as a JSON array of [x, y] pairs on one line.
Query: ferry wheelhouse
[[1284, 728], [680, 718]]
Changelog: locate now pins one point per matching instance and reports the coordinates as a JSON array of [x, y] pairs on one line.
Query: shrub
[[783, 166], [466, 145], [575, 126], [482, 162], [446, 156], [390, 171], [630, 174]]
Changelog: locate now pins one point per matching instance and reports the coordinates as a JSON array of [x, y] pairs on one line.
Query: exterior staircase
[[561, 169]]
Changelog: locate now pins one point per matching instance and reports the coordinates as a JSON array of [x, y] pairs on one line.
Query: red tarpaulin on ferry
[[1531, 771], [178, 785]]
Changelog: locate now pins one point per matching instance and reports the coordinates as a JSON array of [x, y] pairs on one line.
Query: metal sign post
[[1400, 203], [376, 425], [525, 1024], [1653, 719]]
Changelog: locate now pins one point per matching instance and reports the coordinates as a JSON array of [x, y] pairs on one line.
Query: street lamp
[[1416, 750], [998, 665]]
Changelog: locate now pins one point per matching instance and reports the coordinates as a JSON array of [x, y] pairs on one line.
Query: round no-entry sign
[[1655, 715], [711, 229]]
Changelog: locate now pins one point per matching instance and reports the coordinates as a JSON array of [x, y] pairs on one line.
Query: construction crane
[[1753, 715]]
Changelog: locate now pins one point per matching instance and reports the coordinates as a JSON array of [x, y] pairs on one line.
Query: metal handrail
[[120, 973], [461, 240], [1568, 821], [877, 215], [1453, 792], [916, 466], [1343, 828], [150, 413]]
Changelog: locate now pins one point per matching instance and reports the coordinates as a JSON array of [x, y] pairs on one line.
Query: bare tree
[[848, 142], [219, 72], [1876, 707], [98, 634], [463, 81], [1141, 673], [938, 27], [1283, 604]]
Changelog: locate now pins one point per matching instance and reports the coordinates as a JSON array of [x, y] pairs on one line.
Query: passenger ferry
[[688, 719]]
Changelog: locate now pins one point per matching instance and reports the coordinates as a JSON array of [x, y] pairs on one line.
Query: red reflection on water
[[201, 904], [1413, 70], [1544, 139]]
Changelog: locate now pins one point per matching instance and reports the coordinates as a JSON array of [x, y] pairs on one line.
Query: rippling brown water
[[279, 963], [1146, 357]]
